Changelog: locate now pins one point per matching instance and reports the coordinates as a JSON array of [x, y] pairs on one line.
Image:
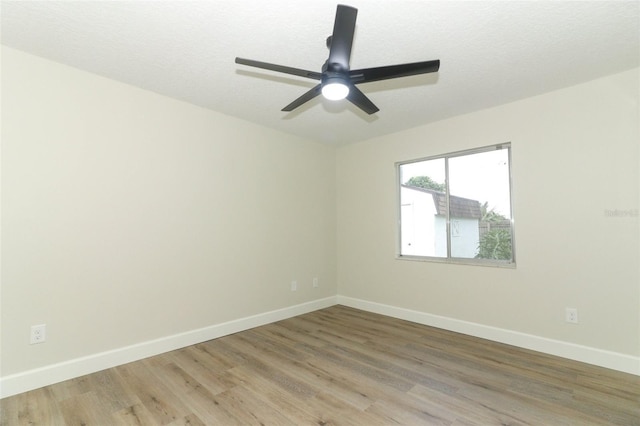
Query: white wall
[[128, 216], [465, 237], [418, 217], [575, 155], [425, 234]]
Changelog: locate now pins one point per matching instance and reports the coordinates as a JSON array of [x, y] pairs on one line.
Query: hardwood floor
[[338, 366]]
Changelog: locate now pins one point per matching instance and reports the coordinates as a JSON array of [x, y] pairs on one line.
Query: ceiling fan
[[337, 80]]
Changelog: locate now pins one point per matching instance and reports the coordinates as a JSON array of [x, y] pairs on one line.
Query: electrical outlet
[[315, 282], [571, 315], [294, 285], [38, 334]]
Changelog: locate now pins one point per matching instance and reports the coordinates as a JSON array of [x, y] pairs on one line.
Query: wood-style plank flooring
[[338, 366]]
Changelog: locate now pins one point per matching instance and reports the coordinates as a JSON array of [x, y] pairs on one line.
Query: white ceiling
[[491, 52]]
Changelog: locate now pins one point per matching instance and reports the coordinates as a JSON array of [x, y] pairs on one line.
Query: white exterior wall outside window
[[421, 225], [465, 237]]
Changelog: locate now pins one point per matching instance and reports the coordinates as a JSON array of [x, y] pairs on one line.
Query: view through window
[[458, 206]]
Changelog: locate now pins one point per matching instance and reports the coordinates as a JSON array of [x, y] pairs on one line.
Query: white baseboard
[[37, 378], [613, 360], [50, 374]]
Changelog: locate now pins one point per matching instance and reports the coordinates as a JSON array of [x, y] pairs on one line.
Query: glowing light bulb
[[335, 91]]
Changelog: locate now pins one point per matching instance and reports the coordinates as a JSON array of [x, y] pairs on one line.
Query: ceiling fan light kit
[[337, 80], [335, 89]]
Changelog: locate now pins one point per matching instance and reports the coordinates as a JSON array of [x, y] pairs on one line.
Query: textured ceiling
[[491, 52]]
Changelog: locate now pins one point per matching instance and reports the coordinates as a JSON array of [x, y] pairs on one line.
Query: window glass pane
[[458, 207], [480, 205], [423, 212]]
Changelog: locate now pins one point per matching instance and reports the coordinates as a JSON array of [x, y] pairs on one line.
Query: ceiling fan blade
[[279, 68], [366, 75], [315, 91], [342, 37], [359, 99]]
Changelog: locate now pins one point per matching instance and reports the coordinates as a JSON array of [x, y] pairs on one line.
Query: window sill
[[460, 261]]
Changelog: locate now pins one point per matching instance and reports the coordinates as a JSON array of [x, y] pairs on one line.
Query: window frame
[[450, 259]]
